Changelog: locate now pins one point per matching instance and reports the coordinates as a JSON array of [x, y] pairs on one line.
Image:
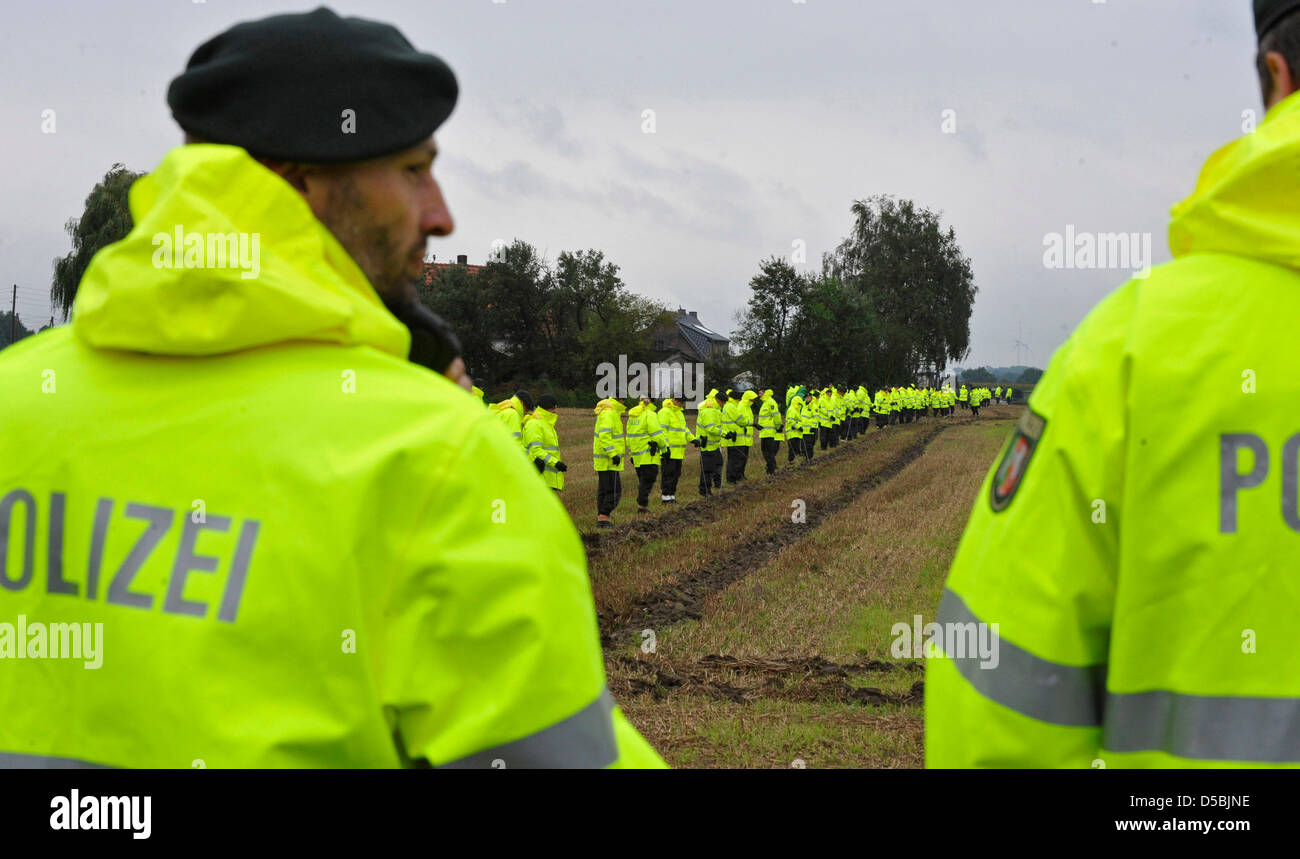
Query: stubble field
[[736, 635]]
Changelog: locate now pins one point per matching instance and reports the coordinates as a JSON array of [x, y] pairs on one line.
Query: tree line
[[891, 301]]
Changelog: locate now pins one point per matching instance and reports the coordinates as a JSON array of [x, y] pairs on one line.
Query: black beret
[[548, 402], [279, 87], [525, 398], [1269, 13]]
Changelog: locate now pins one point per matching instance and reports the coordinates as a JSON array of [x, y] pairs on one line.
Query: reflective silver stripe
[[1221, 728], [549, 446], [636, 435], [675, 429], [13, 761], [606, 429], [585, 740], [517, 434], [677, 446], [1047, 691]]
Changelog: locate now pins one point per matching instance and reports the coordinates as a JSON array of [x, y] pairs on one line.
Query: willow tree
[[106, 219]]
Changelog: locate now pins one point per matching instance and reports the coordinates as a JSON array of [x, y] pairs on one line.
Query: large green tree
[[916, 279], [106, 219]]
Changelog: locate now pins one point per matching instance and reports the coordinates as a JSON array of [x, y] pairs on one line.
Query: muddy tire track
[[809, 679], [684, 599]]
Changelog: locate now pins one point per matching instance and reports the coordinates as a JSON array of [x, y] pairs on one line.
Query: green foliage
[[1030, 376], [978, 376], [894, 298], [106, 219], [20, 330], [522, 321]]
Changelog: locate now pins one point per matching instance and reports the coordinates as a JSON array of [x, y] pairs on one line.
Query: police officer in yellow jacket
[[608, 446], [769, 429], [1135, 549], [511, 413], [677, 435], [708, 426], [646, 440], [304, 549], [542, 442]]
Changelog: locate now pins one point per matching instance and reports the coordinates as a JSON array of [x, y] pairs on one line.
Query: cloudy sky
[[1016, 119]]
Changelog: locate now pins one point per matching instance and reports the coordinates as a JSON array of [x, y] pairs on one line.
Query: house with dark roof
[[688, 340]]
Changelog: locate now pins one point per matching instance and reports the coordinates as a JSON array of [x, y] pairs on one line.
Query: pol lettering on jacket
[[209, 250]]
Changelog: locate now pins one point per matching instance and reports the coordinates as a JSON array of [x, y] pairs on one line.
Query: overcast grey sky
[[770, 118]]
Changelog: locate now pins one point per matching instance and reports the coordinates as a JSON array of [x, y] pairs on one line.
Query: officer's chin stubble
[[377, 237]]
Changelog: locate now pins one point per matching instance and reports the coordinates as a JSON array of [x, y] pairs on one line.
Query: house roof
[[699, 336]]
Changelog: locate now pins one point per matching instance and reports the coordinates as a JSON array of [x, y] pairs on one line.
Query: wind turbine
[[1021, 344]]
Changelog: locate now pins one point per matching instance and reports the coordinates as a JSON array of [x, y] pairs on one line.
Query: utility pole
[[13, 318]]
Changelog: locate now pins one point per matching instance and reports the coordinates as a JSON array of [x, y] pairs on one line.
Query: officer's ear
[[1281, 78]]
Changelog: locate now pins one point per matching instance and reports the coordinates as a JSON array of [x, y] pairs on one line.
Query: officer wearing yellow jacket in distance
[[708, 425], [811, 422], [673, 421], [1133, 546], [542, 443], [793, 429], [305, 550], [769, 429], [608, 446], [645, 441], [744, 434], [511, 412]]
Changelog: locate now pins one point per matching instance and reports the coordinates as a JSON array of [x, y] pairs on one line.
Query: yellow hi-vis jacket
[[793, 416], [811, 414], [642, 428], [511, 413], [673, 421], [745, 419], [541, 442], [1136, 549], [607, 439], [769, 418], [303, 550], [708, 424]]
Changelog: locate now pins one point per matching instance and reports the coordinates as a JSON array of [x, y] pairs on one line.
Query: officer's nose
[[435, 218]]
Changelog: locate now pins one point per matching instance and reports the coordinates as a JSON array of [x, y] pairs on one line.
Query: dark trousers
[[769, 446], [975, 411], [881, 420], [609, 489], [645, 482], [672, 471], [794, 445], [835, 435], [733, 464], [809, 445], [710, 470], [826, 437], [743, 452]]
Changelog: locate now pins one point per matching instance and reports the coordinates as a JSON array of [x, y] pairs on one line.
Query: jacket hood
[[670, 403], [542, 414], [1245, 199], [285, 277], [747, 396], [610, 404]]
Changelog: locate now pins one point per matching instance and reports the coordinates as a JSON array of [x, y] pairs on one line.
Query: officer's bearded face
[[382, 212]]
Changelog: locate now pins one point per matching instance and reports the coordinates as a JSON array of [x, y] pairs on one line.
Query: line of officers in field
[[656, 438]]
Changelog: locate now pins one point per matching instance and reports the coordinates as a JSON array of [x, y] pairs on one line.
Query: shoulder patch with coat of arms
[[1015, 461]]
